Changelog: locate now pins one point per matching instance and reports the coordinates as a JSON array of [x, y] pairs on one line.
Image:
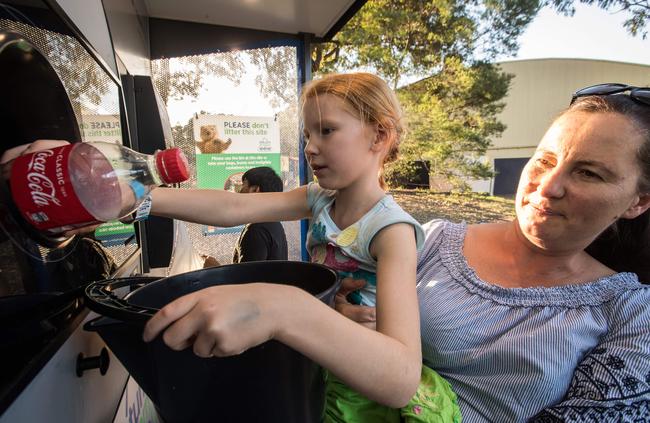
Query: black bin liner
[[268, 383]]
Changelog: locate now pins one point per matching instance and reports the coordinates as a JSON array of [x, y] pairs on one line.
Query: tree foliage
[[451, 118], [452, 113], [184, 76], [400, 39], [277, 65], [638, 11], [82, 78]]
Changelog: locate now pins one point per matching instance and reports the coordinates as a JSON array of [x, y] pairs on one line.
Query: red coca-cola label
[[43, 192]]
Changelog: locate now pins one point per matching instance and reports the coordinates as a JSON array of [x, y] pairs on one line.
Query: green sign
[[223, 171], [115, 233], [227, 146]]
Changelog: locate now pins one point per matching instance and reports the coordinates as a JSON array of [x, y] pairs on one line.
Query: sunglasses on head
[[638, 94]]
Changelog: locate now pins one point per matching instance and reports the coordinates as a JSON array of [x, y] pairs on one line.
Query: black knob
[[100, 362]]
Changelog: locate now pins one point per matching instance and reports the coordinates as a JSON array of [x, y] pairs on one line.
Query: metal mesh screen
[[93, 94], [260, 82]]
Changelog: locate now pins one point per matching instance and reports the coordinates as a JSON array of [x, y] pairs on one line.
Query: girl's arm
[[210, 207], [223, 208], [384, 365]]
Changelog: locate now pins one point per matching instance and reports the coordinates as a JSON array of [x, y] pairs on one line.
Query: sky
[[592, 33], [219, 95]]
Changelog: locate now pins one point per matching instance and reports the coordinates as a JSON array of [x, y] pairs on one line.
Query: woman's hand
[[23, 149], [39, 145], [221, 320], [363, 315]]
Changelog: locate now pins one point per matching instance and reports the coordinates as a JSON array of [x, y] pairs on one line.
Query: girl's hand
[[363, 315], [229, 319], [220, 320]]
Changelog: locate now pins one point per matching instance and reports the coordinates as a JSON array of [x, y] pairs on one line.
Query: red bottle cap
[[172, 165]]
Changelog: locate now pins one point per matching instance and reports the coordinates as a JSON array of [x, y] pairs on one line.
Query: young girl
[[352, 124]]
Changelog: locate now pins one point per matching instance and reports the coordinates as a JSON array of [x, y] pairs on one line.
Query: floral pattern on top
[[602, 379], [347, 250]]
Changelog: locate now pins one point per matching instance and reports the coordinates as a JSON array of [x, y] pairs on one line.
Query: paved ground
[[425, 205]]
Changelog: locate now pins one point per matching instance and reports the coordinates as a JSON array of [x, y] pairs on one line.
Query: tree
[[400, 39], [453, 112], [82, 77], [638, 9], [186, 76], [451, 118], [277, 64]]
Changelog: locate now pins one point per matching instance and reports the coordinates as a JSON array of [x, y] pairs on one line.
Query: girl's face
[[341, 149], [583, 177]]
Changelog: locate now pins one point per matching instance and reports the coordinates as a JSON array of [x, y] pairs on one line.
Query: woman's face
[[583, 176]]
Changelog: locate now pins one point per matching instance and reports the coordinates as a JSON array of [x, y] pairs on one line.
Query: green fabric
[[344, 405], [433, 402]]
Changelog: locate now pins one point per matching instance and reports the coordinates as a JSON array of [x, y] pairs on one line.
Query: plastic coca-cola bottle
[[76, 185]]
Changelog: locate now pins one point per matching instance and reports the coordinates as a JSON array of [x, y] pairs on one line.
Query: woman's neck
[[514, 261]]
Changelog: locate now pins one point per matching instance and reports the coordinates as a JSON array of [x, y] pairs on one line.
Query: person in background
[[546, 318], [265, 240]]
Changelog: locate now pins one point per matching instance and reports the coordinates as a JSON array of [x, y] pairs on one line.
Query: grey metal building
[[540, 89]]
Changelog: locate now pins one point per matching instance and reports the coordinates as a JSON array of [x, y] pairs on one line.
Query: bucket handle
[[101, 298]]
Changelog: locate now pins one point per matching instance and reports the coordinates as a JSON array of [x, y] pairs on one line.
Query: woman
[[544, 317]]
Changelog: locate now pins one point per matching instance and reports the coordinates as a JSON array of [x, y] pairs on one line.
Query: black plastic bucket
[[268, 383]]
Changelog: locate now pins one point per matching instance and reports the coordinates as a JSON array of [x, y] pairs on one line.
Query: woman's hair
[[625, 245], [370, 100]]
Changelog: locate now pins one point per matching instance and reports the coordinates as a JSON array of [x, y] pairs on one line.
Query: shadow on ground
[[425, 205]]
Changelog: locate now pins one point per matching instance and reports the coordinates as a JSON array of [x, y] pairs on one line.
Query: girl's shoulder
[[318, 197], [387, 212], [313, 188]]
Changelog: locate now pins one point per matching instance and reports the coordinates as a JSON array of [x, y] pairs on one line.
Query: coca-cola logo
[[41, 188]]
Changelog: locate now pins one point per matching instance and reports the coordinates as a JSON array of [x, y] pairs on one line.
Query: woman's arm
[[364, 315], [223, 208], [612, 383], [385, 366]]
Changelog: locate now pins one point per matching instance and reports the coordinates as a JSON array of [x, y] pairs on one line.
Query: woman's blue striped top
[[578, 352]]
